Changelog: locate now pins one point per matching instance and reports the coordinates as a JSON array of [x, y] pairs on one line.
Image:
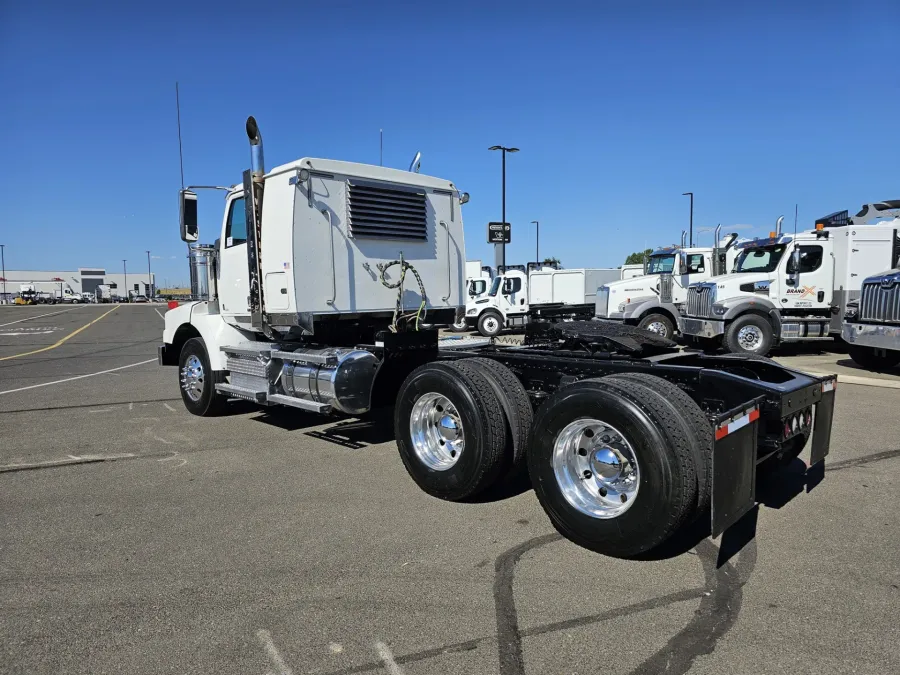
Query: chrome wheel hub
[[659, 328], [596, 468], [436, 431], [491, 324], [192, 379], [750, 338]]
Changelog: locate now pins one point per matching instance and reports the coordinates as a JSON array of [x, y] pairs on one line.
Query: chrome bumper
[[706, 328], [872, 335]]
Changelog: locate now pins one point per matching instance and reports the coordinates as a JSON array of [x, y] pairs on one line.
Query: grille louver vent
[[387, 212]]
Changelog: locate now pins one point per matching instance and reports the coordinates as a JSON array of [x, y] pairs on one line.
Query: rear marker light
[[787, 429], [830, 385]]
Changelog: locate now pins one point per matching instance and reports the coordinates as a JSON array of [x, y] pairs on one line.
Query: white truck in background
[[478, 281], [793, 288], [632, 271], [872, 321], [651, 301], [517, 296], [103, 293]]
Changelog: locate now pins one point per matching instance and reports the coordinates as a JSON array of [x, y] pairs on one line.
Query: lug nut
[[587, 474], [605, 438]]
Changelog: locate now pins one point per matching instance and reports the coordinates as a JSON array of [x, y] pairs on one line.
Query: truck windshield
[[661, 263], [763, 259], [495, 286]]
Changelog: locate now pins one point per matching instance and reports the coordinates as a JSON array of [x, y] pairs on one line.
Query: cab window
[[695, 264], [512, 285], [661, 264], [477, 286], [763, 259], [236, 228], [810, 260]]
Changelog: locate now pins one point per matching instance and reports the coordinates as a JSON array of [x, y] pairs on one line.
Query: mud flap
[[821, 440], [734, 466]]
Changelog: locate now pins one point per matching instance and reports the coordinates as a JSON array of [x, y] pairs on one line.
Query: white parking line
[[77, 377], [29, 318], [160, 315], [266, 638], [387, 658]]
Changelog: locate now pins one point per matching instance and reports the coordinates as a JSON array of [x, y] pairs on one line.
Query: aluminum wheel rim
[[750, 338], [436, 431], [596, 468], [192, 379], [658, 327], [461, 324]]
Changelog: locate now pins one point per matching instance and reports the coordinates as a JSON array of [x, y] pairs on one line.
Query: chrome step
[[240, 392], [311, 406]]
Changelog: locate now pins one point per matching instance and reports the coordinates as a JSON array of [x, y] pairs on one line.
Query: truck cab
[[787, 288], [653, 301]]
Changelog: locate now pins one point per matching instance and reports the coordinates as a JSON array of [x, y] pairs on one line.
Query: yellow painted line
[[57, 344]]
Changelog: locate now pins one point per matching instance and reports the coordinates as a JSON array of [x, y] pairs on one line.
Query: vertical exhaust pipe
[[778, 226], [257, 162], [683, 237], [716, 235]]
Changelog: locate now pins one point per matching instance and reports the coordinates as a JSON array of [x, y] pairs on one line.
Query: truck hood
[[633, 287]]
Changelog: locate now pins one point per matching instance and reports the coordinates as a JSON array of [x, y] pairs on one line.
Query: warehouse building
[[84, 280]]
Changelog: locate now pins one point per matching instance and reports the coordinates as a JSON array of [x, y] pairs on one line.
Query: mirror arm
[[209, 187]]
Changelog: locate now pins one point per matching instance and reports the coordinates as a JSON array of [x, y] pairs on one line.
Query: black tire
[[514, 400], [667, 490], [490, 323], [872, 360], [761, 330], [482, 458], [701, 428], [662, 325], [209, 403], [459, 327]]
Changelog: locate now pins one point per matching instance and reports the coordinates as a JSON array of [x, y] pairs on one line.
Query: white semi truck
[[872, 322], [478, 281], [518, 296], [792, 288], [651, 301], [320, 280]]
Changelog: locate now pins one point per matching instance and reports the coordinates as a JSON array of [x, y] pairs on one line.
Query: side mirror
[[795, 261], [187, 215]]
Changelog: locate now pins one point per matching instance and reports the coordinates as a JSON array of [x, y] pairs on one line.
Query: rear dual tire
[[644, 465]]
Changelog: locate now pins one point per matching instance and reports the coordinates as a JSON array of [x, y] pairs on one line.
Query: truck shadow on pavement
[[352, 433]]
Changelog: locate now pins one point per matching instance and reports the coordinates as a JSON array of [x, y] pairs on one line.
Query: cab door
[[692, 268], [513, 296], [809, 286], [234, 277]]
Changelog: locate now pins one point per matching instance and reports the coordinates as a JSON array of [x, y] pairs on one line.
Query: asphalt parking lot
[[139, 539]]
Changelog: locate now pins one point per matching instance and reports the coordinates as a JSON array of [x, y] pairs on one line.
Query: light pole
[[503, 216], [149, 285], [125, 270], [3, 261], [537, 241], [691, 235]]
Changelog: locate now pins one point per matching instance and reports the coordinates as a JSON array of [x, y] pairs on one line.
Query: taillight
[[787, 429]]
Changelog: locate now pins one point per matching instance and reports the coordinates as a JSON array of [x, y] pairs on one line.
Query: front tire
[[198, 381], [749, 334], [459, 326], [659, 324], [490, 324], [613, 469], [872, 359]]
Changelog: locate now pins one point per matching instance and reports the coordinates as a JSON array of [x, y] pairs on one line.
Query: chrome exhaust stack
[[257, 162], [778, 226]]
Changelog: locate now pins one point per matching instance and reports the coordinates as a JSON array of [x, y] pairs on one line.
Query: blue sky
[[618, 108]]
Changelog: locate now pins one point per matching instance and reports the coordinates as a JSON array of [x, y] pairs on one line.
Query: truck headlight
[[470, 312], [719, 310], [622, 306]]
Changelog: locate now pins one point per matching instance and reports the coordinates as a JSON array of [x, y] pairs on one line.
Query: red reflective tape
[[737, 424]]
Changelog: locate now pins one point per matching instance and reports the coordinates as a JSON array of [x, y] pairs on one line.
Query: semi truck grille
[[880, 301], [700, 300], [665, 288], [387, 212]]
